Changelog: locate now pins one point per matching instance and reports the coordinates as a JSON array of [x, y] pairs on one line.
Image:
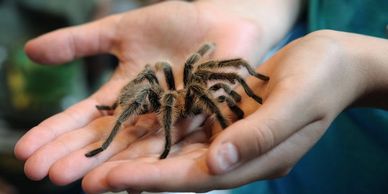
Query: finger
[[191, 145], [278, 161], [38, 165], [282, 114], [197, 137], [99, 174], [176, 173], [130, 191], [75, 117], [153, 143], [70, 43], [95, 181], [150, 174], [84, 164]]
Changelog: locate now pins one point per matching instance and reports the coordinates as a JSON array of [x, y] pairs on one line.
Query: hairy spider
[[144, 94]]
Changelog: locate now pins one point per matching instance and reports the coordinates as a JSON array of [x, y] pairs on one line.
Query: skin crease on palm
[[281, 130]]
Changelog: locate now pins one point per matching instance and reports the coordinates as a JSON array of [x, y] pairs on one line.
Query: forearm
[[273, 17]]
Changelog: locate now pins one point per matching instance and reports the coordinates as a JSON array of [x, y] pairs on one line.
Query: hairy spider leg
[[107, 107], [154, 100], [231, 77], [206, 48], [189, 101], [131, 110], [147, 74], [194, 58], [232, 106], [167, 119], [230, 100], [123, 117], [237, 63], [169, 76], [208, 103], [236, 97]]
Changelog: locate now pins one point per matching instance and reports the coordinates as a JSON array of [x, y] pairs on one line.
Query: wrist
[[367, 59], [370, 54], [272, 18]]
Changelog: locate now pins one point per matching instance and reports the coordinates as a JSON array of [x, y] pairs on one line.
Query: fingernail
[[227, 157]]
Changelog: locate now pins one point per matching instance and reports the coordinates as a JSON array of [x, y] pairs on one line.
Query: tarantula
[[144, 94]]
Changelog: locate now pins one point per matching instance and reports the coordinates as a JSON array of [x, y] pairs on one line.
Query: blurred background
[[30, 92]]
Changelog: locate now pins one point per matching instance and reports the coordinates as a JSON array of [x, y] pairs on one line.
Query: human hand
[[168, 30], [312, 80]]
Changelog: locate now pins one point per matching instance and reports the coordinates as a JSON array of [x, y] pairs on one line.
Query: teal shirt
[[368, 17], [352, 156]]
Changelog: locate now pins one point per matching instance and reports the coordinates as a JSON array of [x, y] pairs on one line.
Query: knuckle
[[264, 138]]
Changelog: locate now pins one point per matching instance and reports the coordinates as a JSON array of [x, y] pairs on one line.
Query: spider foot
[[257, 99], [165, 153], [94, 152], [261, 76], [103, 107], [106, 109]]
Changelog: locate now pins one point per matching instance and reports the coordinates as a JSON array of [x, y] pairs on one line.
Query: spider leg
[[238, 62], [167, 119], [231, 77], [187, 71], [189, 101], [147, 74], [232, 106], [153, 98], [236, 97], [133, 109], [166, 67], [107, 107], [208, 103]]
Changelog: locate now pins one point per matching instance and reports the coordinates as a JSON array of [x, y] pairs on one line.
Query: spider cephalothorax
[[144, 94]]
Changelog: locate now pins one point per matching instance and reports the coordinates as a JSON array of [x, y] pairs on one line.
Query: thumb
[[253, 136], [69, 43]]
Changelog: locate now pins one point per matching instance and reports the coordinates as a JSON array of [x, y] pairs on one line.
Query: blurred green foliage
[[31, 92]]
